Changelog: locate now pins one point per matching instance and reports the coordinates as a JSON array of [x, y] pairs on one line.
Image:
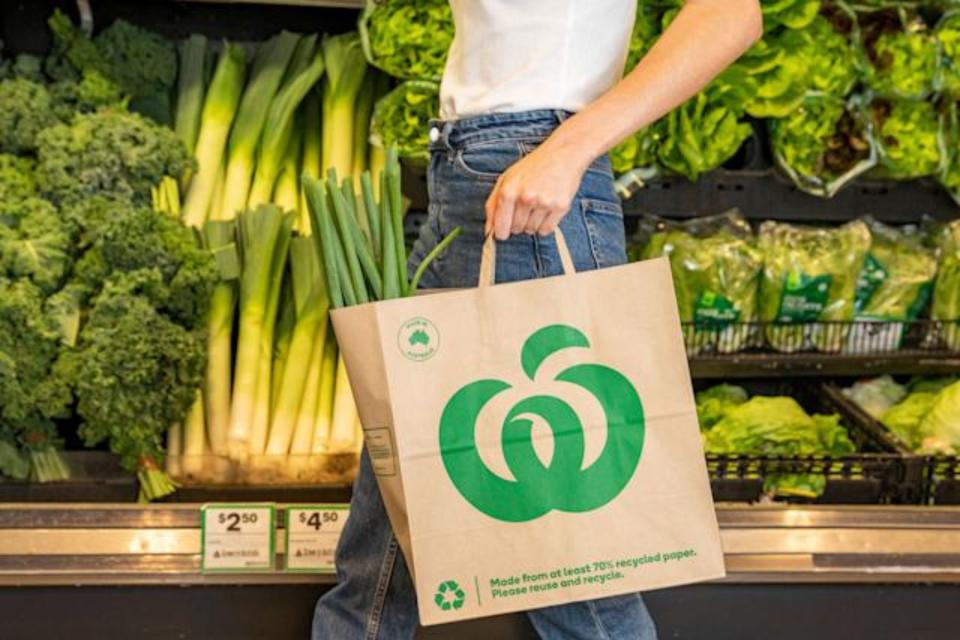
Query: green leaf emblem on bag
[[563, 484]]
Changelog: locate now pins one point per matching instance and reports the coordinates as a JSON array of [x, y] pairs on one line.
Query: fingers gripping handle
[[488, 260]]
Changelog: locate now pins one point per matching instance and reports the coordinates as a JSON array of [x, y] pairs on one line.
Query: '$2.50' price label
[[312, 535], [238, 537]]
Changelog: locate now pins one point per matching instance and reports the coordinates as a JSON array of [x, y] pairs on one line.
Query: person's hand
[[533, 195]]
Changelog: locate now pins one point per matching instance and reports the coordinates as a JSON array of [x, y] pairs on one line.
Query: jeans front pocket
[[604, 222], [488, 160]]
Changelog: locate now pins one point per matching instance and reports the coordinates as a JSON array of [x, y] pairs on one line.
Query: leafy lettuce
[[908, 136], [778, 426], [716, 266], [900, 53], [948, 36], [823, 144], [946, 293], [714, 403], [897, 277], [810, 278], [408, 39], [402, 118]]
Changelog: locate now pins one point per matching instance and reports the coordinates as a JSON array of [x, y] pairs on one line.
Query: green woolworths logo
[[563, 484]]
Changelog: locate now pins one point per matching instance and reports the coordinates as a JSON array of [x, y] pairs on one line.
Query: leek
[[346, 65], [268, 71], [310, 299], [323, 420], [278, 129], [219, 110], [312, 151], [264, 235]]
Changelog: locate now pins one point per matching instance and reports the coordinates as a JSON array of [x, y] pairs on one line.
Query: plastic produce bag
[[402, 118], [948, 37], [894, 287], [824, 144], [408, 39], [908, 138], [716, 267], [946, 293], [809, 282], [899, 53], [877, 395]]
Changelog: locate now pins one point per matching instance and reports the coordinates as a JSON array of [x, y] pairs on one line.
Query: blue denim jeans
[[374, 597]]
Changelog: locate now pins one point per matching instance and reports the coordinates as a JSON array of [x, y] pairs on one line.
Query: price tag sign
[[237, 537], [312, 534]]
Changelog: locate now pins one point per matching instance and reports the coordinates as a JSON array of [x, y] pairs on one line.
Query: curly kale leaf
[[111, 154], [35, 243], [26, 109], [135, 371]]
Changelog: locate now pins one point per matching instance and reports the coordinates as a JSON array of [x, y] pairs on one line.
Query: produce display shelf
[[757, 365], [330, 4], [49, 545]]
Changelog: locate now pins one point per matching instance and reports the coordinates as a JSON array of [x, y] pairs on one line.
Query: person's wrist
[[572, 149]]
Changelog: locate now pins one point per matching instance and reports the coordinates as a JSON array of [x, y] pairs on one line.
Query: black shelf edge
[[762, 365]]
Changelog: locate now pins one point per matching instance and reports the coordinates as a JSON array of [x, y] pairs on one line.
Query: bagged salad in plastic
[[408, 39], [946, 293], [716, 266], [824, 144], [894, 287], [809, 283]]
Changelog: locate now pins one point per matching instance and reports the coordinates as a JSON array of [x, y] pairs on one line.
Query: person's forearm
[[704, 38]]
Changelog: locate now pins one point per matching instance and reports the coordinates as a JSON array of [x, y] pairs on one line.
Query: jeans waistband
[[453, 134]]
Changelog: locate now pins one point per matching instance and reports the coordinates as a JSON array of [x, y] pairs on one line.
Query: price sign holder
[[237, 538], [311, 536]]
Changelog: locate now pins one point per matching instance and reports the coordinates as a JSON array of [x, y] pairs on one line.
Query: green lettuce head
[[639, 151], [900, 53], [908, 137], [408, 39], [646, 30], [792, 14], [701, 135], [809, 278], [402, 118], [823, 144], [715, 265]]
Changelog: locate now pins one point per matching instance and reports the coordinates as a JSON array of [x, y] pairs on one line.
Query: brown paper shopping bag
[[536, 443]]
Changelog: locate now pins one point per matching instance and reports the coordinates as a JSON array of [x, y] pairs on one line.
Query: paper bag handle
[[488, 260]]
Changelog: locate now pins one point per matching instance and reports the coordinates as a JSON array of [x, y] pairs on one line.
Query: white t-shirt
[[519, 55]]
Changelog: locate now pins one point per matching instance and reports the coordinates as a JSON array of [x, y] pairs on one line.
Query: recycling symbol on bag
[[563, 484], [449, 596]]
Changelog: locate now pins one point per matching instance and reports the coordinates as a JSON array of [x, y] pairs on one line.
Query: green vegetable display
[[26, 109], [900, 53], [897, 277], [908, 137], [714, 403], [141, 63], [408, 39], [823, 144], [946, 293], [639, 151], [809, 281], [948, 37], [110, 153], [716, 267], [793, 14], [904, 418], [778, 426], [701, 135], [402, 119], [876, 396], [646, 30], [940, 427]]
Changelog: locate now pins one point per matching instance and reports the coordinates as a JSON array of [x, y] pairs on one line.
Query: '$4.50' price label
[[312, 535], [238, 537]]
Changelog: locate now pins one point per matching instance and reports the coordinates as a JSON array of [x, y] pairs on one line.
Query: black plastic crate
[[878, 474], [940, 475]]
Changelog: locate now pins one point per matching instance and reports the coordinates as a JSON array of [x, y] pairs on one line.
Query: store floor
[[709, 612]]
